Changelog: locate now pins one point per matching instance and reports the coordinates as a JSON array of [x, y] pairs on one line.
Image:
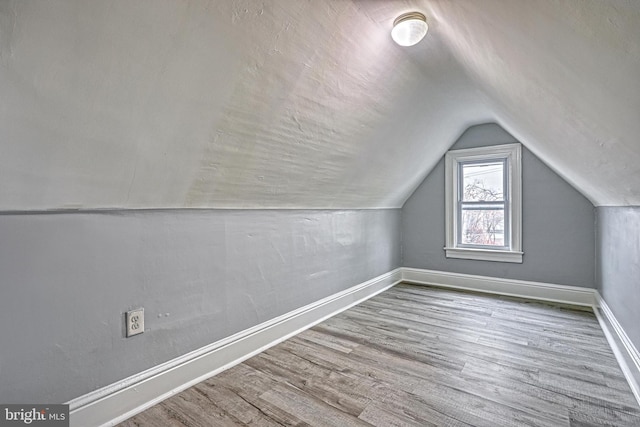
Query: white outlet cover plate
[[135, 322]]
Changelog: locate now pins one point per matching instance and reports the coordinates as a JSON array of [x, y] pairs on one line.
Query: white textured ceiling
[[304, 104]]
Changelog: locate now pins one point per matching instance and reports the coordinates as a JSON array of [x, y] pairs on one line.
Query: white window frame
[[512, 155]]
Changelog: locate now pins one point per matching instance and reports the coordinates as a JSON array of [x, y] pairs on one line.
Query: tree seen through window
[[483, 204]]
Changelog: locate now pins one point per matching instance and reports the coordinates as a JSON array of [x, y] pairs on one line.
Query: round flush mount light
[[409, 28]]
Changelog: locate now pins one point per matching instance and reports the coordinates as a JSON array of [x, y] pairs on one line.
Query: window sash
[[502, 204], [499, 207], [460, 171]]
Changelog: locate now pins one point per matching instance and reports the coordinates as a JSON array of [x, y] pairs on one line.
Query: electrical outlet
[[135, 322]]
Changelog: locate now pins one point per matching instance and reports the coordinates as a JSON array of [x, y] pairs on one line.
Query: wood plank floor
[[421, 356]]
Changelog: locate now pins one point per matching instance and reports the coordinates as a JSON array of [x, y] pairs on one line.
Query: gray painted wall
[[618, 265], [68, 278], [558, 223]]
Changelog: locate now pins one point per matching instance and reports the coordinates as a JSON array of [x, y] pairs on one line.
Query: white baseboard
[[626, 353], [518, 288], [115, 403]]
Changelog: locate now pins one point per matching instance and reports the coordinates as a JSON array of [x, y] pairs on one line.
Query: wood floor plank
[[250, 388], [478, 410], [243, 410], [333, 388], [406, 409], [309, 408], [421, 356]]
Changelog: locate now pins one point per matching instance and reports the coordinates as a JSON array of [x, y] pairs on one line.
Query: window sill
[[484, 255]]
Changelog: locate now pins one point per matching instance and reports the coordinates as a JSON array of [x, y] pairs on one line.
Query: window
[[484, 203]]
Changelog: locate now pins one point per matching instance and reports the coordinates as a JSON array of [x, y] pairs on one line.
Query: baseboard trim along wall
[[113, 404], [518, 288], [626, 353]]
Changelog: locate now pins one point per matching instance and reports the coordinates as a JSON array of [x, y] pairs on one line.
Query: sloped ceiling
[[304, 104], [563, 77]]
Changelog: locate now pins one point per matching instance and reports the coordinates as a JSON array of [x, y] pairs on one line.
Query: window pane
[[482, 181], [482, 227]]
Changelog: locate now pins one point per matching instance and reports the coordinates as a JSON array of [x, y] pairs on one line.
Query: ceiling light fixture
[[409, 28]]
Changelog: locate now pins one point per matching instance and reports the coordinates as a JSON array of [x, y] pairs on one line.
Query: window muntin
[[483, 203]]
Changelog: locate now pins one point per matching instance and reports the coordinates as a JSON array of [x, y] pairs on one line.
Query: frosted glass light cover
[[409, 29]]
